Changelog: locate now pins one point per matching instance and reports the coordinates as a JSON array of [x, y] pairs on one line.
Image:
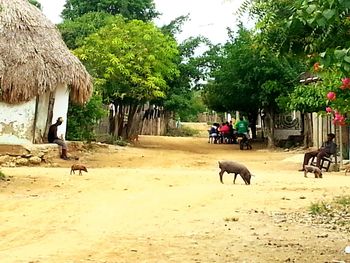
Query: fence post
[[158, 126]]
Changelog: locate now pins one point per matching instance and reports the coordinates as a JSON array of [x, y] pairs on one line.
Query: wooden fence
[[145, 122]]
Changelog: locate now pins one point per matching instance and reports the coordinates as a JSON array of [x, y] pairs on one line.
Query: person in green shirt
[[242, 127], [243, 130]]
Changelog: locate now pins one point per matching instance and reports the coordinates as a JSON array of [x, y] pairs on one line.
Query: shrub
[[335, 213], [319, 208], [182, 132], [116, 140], [2, 176], [83, 119], [343, 200]]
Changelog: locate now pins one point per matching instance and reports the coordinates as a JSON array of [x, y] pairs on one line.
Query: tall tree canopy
[[136, 9], [249, 77], [74, 31], [130, 59], [183, 97], [318, 32]]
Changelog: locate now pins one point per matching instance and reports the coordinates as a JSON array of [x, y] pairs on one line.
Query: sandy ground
[[161, 201]]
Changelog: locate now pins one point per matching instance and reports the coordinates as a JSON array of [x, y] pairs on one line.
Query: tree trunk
[[262, 117], [167, 117], [252, 123], [307, 130], [111, 121], [118, 119], [122, 128], [133, 124], [270, 129]]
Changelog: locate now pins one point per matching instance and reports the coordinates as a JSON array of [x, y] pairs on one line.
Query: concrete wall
[[282, 134], [60, 109], [16, 122]]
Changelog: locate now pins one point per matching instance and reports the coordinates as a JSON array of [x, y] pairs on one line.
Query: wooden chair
[[325, 162], [212, 138]]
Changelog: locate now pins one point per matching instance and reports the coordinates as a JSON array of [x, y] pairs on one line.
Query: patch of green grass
[[337, 210], [2, 176], [116, 141], [319, 208], [342, 200], [182, 132]]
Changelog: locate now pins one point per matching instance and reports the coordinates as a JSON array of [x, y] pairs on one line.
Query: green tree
[[310, 31], [248, 78], [328, 43], [131, 60], [82, 119], [137, 9], [74, 31], [182, 97], [36, 3]]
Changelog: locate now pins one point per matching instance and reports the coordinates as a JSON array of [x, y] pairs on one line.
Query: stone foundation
[[37, 154], [27, 155], [33, 154]]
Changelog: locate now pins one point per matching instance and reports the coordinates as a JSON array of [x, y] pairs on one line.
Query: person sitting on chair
[[327, 149], [53, 138], [225, 132], [242, 127], [213, 133]]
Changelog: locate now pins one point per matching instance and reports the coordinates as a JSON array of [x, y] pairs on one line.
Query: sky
[[209, 18]]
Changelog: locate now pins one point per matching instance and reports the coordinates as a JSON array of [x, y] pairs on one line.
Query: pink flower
[[339, 119], [345, 83], [339, 122], [337, 116], [331, 95], [316, 66], [329, 109]]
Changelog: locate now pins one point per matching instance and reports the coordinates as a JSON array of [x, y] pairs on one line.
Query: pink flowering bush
[[339, 101], [339, 119], [329, 110], [345, 83], [331, 95]]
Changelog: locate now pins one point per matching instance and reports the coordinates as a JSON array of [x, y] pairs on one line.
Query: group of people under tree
[[228, 132]]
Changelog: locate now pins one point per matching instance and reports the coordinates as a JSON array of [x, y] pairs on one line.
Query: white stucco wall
[[42, 114], [16, 122], [282, 134], [60, 109]]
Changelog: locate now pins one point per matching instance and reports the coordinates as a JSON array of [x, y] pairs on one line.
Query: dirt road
[[161, 201]]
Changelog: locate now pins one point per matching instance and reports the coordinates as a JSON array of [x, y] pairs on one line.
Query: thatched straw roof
[[33, 57]]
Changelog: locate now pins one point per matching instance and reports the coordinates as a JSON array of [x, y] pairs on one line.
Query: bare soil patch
[[161, 201]]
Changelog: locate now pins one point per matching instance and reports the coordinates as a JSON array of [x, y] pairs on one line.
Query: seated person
[[213, 132], [53, 138], [225, 131], [232, 135], [242, 127], [328, 148]]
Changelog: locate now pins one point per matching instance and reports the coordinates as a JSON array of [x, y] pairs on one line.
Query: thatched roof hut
[[34, 59]]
